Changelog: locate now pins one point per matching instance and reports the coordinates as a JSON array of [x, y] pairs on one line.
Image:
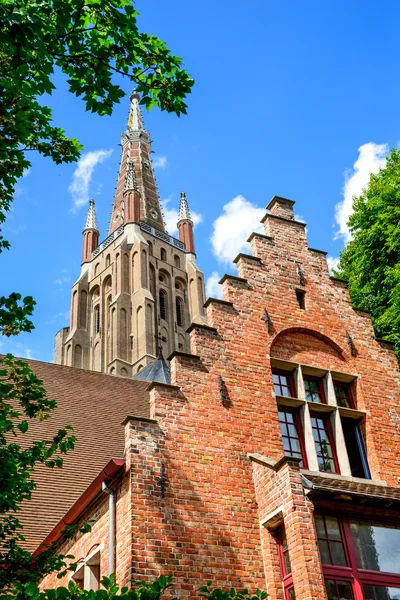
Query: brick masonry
[[213, 521]]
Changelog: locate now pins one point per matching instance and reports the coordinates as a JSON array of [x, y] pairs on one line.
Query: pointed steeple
[[185, 224], [135, 119], [90, 234], [184, 212], [136, 170], [91, 219]]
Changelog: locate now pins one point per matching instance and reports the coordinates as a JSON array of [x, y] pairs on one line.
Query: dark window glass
[[301, 299], [97, 319], [338, 590], [179, 312], [323, 444], [291, 594], [379, 592], [282, 384], [343, 395], [377, 547], [330, 541], [163, 305], [355, 449], [286, 566], [314, 390], [290, 434]]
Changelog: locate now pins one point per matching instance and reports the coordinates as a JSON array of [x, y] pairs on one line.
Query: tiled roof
[[95, 404], [355, 488]]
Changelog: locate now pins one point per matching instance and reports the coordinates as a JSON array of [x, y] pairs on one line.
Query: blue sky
[[295, 99]]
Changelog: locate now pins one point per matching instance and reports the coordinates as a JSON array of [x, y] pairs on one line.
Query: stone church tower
[[139, 289]]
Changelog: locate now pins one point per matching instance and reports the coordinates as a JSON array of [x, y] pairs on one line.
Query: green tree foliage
[[94, 43], [371, 260], [140, 591]]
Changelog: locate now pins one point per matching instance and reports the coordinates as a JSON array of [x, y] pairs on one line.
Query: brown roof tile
[[95, 404]]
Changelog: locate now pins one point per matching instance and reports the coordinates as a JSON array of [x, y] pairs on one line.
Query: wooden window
[[292, 435], [283, 383], [355, 448], [324, 446], [343, 394], [314, 389], [360, 560], [286, 567]]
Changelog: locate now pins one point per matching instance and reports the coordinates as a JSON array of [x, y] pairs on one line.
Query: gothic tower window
[[83, 311], [78, 356], [108, 260], [177, 261], [150, 249], [163, 254], [163, 304], [125, 283], [179, 312], [97, 319]]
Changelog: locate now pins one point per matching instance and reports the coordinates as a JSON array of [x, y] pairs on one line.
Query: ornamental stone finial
[[91, 219], [184, 212], [135, 120]]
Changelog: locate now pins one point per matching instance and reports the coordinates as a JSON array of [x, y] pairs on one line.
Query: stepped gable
[[95, 404]]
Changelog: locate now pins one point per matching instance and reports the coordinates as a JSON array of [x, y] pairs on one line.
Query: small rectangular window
[[355, 449], [292, 439], [283, 384], [343, 394], [284, 553], [301, 299], [314, 389], [330, 541], [324, 446]]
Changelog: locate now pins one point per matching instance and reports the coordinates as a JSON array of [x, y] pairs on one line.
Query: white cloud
[[26, 172], [27, 353], [63, 279], [231, 230], [159, 162], [82, 176], [332, 263], [171, 216], [371, 158], [213, 288]]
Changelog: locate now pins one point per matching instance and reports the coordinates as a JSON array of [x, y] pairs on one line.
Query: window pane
[[320, 526], [377, 592], [338, 556], [313, 391], [291, 594], [323, 446], [377, 547], [324, 551], [342, 393], [355, 449], [333, 529], [338, 590]]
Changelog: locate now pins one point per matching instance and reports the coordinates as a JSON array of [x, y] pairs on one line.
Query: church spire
[[91, 219], [90, 234], [185, 224], [136, 175], [184, 212], [135, 119]]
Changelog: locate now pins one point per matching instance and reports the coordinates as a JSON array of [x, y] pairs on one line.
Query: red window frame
[[321, 390], [287, 578], [299, 428], [290, 385], [346, 386], [352, 573], [331, 440]]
